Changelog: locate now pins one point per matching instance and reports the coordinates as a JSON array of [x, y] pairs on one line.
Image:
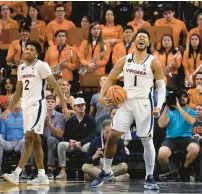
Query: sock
[[107, 165], [41, 172], [18, 170], [149, 155]]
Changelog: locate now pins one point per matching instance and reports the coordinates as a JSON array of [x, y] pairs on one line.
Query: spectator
[[90, 50], [65, 87], [196, 93], [197, 129], [111, 33], [123, 48], [64, 54], [96, 152], [138, 21], [178, 26], [168, 55], [34, 21], [179, 124], [96, 109], [192, 57], [85, 22], [7, 89], [11, 133], [79, 131], [60, 23], [15, 52]]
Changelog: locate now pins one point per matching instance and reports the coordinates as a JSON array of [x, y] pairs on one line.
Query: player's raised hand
[[156, 111], [5, 114]]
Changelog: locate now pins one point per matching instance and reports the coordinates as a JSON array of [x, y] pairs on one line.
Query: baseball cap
[[79, 101]]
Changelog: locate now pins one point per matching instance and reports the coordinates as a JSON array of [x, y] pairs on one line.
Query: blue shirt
[[178, 126], [12, 128]]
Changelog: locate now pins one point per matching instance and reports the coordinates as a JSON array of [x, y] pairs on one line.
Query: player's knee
[[114, 136], [28, 141]]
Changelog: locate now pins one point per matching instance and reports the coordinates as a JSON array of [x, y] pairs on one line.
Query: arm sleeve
[[161, 93], [44, 70], [19, 73]]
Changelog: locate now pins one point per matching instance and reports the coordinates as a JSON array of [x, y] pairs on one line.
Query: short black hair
[[168, 8], [35, 44], [138, 7], [59, 5], [199, 73], [60, 31], [24, 27], [141, 30], [128, 27]]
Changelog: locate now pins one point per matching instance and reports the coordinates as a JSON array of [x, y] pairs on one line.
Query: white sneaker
[[122, 178], [62, 175], [40, 180], [12, 178]]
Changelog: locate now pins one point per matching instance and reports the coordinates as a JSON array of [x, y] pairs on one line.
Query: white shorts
[[34, 117], [138, 111]]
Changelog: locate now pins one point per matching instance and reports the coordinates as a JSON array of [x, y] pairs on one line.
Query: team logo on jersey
[[137, 72]]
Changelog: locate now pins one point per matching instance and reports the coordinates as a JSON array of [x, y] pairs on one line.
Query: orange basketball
[[116, 94]]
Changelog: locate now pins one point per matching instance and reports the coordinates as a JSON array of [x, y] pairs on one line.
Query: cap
[[79, 101]]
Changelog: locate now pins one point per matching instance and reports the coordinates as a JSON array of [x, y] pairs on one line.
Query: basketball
[[116, 94]]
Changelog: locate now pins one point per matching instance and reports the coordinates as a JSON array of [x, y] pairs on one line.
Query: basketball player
[[31, 85], [140, 69]]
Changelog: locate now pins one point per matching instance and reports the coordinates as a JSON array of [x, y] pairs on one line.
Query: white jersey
[[138, 78], [33, 78]]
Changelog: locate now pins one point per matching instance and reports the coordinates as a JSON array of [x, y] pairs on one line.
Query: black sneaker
[[24, 174], [50, 174], [185, 174], [1, 173], [150, 183], [33, 174]]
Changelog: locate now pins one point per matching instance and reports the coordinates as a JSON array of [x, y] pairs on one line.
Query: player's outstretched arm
[[118, 68], [15, 99], [51, 80], [159, 77]]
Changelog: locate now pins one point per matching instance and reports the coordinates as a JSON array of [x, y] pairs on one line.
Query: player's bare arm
[[51, 80], [159, 77], [15, 99], [118, 68]]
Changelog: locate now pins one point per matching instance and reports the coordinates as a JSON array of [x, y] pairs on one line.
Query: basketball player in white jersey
[[32, 77], [139, 69]]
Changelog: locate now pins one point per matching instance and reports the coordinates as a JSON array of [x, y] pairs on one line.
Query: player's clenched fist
[[5, 114], [156, 111]]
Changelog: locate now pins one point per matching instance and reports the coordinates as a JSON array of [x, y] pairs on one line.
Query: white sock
[[107, 165], [18, 170], [149, 155], [41, 172]]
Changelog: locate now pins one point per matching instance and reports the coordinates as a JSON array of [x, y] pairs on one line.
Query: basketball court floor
[[134, 186]]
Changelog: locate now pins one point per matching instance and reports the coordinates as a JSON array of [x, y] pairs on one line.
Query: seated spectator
[[168, 55], [11, 133], [65, 87], [178, 26], [196, 93], [95, 155], [192, 57], [7, 89], [90, 50], [123, 48], [85, 22], [197, 128], [34, 21], [52, 135], [179, 122], [96, 109], [138, 21], [80, 129], [62, 54], [60, 23], [15, 54]]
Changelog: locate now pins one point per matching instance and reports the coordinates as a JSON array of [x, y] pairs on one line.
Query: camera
[[171, 98]]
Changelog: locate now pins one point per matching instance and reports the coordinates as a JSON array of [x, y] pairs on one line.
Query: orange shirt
[[120, 51], [4, 101], [135, 25], [195, 98], [85, 57], [52, 58], [165, 61], [53, 26], [10, 24], [19, 7], [178, 26], [188, 63]]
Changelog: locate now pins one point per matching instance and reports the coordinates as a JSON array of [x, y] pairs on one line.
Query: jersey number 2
[[27, 83]]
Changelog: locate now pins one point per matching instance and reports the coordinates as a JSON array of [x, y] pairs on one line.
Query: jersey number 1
[[27, 83], [135, 80]]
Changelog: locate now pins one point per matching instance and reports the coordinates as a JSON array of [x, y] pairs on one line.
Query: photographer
[[179, 119], [95, 154]]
